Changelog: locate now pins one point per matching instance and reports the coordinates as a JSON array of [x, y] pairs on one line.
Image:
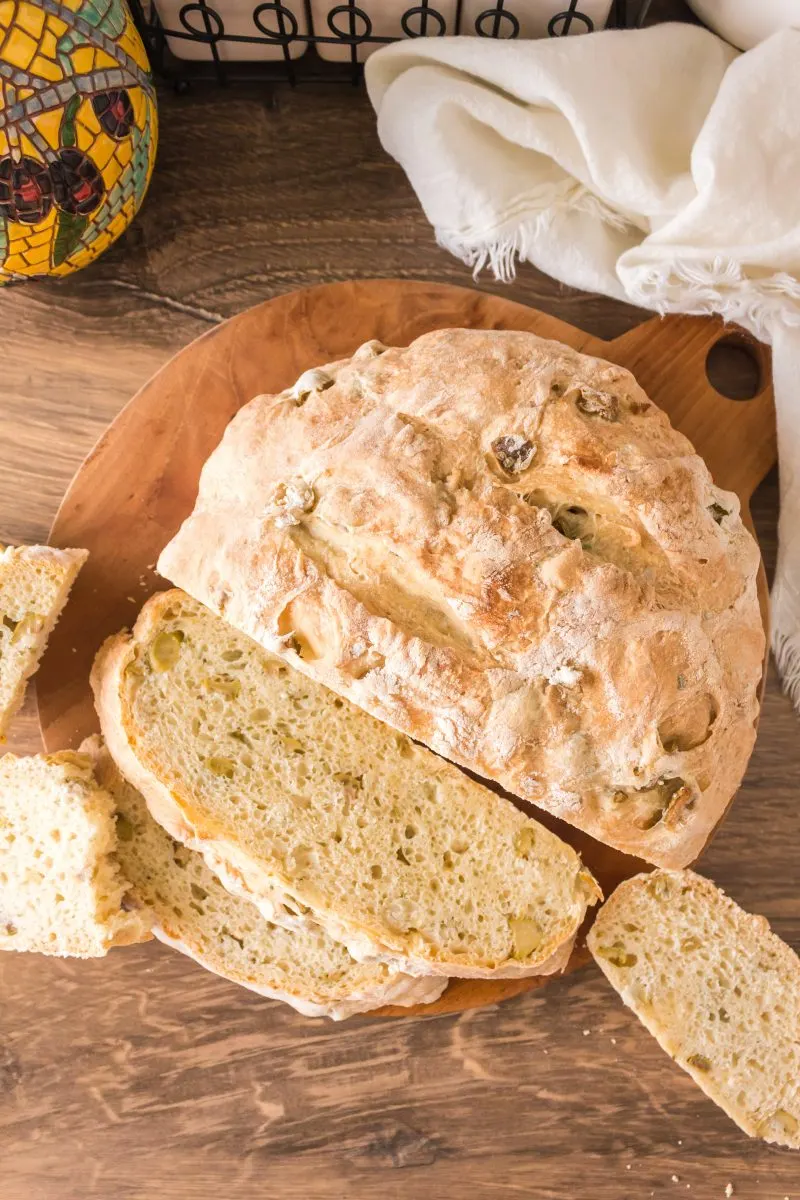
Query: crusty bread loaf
[[61, 891], [34, 585], [317, 811], [502, 548], [193, 912], [715, 987]]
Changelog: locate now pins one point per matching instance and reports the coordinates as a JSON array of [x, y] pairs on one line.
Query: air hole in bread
[[668, 800], [609, 536], [688, 723]]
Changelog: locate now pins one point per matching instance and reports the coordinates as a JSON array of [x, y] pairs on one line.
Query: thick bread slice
[[316, 811], [502, 548], [716, 988], [34, 585], [61, 890], [193, 913]]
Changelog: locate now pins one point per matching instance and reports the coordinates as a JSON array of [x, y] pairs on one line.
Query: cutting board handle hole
[[734, 368]]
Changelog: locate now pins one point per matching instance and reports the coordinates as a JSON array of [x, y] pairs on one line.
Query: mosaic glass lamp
[[77, 132]]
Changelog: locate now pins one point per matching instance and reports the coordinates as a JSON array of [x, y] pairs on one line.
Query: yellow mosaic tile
[[83, 60], [19, 47], [31, 19], [49, 126], [48, 46], [46, 69]]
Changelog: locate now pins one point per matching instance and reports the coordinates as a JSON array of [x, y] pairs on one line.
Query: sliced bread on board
[[716, 988], [61, 889], [502, 548], [193, 913], [316, 811], [34, 585]]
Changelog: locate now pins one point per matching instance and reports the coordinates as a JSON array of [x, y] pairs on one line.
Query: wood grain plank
[[141, 1076]]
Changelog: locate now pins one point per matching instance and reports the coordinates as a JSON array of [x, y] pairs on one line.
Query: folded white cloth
[[658, 166]]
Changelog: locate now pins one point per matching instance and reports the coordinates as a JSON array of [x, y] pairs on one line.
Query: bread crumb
[[586, 1032], [729, 1190], [613, 1041], [676, 1179], [628, 1167]]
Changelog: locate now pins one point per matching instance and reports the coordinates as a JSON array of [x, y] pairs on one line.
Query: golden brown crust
[[502, 548]]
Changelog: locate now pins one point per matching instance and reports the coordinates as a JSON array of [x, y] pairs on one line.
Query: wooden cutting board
[[140, 481]]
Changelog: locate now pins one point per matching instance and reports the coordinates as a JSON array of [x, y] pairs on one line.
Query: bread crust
[[402, 991], [399, 526]]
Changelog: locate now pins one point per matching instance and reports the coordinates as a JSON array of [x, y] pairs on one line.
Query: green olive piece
[[165, 650]]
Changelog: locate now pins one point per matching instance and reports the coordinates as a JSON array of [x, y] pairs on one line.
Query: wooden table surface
[[141, 1076]]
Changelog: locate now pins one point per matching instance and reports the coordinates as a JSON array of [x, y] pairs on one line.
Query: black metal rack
[[348, 25]]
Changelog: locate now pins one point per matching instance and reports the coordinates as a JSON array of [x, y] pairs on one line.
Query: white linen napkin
[[658, 166]]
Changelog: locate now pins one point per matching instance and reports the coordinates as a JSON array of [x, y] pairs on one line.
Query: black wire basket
[[292, 40]]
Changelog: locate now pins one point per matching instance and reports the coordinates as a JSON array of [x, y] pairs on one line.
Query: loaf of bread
[[716, 988], [503, 549], [192, 912], [61, 890], [34, 585], [319, 813]]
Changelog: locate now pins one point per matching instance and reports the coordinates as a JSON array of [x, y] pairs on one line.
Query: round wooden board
[[140, 481]]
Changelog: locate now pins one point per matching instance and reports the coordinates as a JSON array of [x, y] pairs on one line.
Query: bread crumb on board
[[729, 1190], [676, 1178]]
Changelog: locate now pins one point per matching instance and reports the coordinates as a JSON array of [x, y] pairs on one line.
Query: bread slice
[[61, 891], [34, 585], [193, 913], [717, 989], [320, 813]]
